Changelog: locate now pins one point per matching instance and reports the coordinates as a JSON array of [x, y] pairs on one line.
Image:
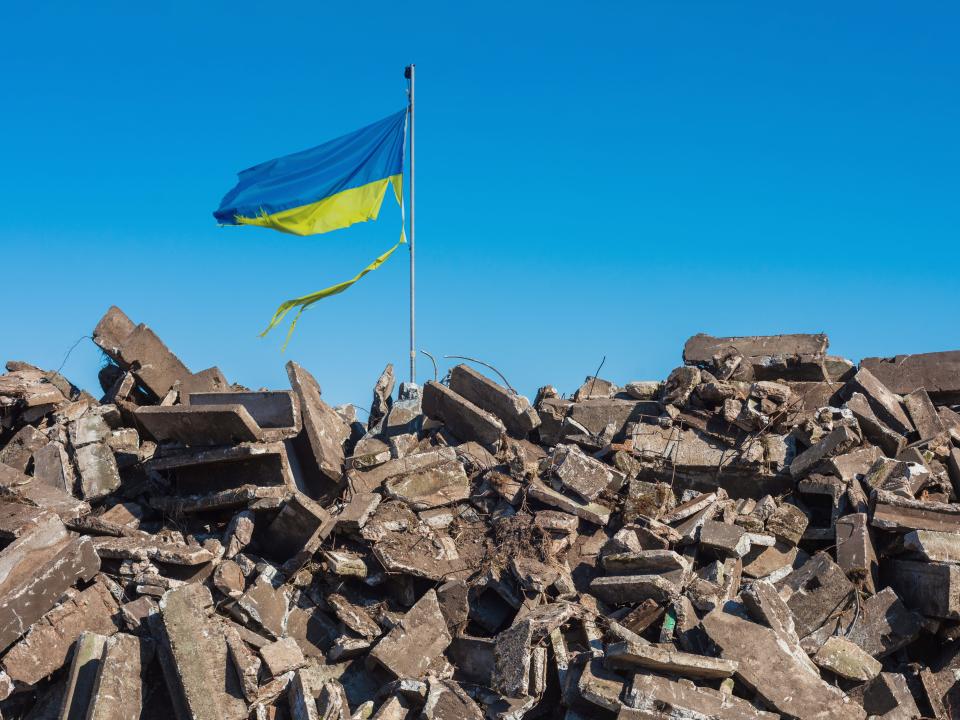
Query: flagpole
[[409, 73]]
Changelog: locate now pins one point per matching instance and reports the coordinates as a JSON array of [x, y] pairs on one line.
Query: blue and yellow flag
[[326, 188]]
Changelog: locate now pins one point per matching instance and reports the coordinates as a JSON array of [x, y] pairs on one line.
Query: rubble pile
[[772, 531]]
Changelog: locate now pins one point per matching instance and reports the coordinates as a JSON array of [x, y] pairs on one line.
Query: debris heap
[[770, 532]]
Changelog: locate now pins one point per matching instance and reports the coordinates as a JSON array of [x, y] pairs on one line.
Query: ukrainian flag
[[329, 187]]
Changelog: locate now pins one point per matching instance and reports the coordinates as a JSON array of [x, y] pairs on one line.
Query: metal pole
[[409, 74]]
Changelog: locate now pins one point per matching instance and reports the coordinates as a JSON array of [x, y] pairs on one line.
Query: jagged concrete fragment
[[889, 696], [52, 467], [118, 692], [22, 447], [298, 528], [195, 425], [194, 656], [320, 445], [884, 624], [933, 588], [282, 656], [632, 655], [245, 661], [209, 470], [724, 539], [513, 410], [855, 551], [766, 667], [787, 523], [416, 642], [357, 511], [446, 700], [35, 570], [933, 546], [837, 442], [84, 667], [147, 547], [874, 429], [624, 589], [886, 405], [275, 412], [815, 591], [137, 348], [937, 372], [591, 512], [353, 617], [580, 473], [652, 697], [47, 644], [770, 357], [892, 512], [98, 471], [238, 534], [300, 698], [846, 659], [922, 412], [438, 486], [266, 605], [465, 420]]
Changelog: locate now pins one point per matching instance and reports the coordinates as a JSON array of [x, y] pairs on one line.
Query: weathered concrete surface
[[35, 570], [193, 654], [652, 697], [275, 412], [434, 487], [632, 656], [118, 691], [513, 410], [84, 668], [416, 643], [815, 591], [465, 420], [199, 424], [770, 357], [47, 644], [938, 373], [765, 667], [320, 445], [855, 552], [580, 473]]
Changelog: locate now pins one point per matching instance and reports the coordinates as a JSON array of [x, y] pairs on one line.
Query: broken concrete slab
[[580, 473], [98, 471], [770, 357], [35, 570], [438, 486], [194, 657], [84, 668], [198, 425], [815, 591], [417, 641], [895, 513], [936, 372], [922, 412], [466, 420], [776, 675], [591, 512], [137, 348], [855, 552], [19, 451], [651, 696], [844, 658], [47, 643], [513, 410], [206, 470], [118, 690], [932, 588], [631, 656], [624, 589], [320, 445], [275, 412]]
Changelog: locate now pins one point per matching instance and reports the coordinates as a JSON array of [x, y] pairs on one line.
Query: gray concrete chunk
[[513, 410], [465, 420]]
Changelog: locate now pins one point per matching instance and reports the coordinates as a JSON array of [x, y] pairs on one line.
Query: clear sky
[[593, 179]]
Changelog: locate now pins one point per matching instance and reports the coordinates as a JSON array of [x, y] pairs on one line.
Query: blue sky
[[594, 179]]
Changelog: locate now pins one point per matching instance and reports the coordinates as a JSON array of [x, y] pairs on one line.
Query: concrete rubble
[[770, 531]]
